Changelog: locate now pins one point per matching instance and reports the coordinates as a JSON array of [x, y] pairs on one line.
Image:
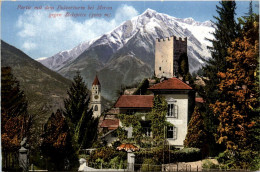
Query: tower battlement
[[171, 38]]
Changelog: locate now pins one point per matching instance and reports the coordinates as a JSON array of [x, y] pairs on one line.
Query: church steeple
[[96, 97], [96, 81]]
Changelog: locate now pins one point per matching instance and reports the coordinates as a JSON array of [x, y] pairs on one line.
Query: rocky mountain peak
[[189, 20], [149, 13]]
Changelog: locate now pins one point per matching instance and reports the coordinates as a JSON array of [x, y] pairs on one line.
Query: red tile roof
[[199, 100], [171, 84], [135, 101], [127, 147], [110, 123], [96, 81]]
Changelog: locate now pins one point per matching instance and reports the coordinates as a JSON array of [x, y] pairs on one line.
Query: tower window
[[160, 68], [96, 108]]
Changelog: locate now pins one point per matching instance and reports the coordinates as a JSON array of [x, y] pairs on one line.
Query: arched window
[[96, 108]]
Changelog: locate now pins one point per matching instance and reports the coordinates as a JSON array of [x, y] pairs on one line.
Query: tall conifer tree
[[82, 124], [15, 120], [226, 30]]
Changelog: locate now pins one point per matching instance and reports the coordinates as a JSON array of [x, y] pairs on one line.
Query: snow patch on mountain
[[62, 58], [41, 58]]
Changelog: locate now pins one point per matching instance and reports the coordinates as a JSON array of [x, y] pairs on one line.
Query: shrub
[[117, 163], [239, 160], [150, 165], [107, 156], [207, 164], [159, 154], [226, 159]]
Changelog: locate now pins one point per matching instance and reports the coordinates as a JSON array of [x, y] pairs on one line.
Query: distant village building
[[178, 94], [167, 53]]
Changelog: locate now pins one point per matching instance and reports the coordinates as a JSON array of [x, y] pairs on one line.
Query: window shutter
[[175, 133], [175, 111]]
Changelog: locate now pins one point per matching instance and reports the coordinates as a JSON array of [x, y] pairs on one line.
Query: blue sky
[[38, 34]]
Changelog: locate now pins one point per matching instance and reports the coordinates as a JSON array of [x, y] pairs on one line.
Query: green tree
[[82, 124], [183, 69], [142, 87], [196, 135], [183, 65], [226, 30], [56, 144]]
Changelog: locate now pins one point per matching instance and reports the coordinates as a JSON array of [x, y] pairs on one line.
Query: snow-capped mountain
[[131, 45], [60, 59], [150, 22]]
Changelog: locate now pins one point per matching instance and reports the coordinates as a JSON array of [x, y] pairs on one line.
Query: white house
[[180, 99]]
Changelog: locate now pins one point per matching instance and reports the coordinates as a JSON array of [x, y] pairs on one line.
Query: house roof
[[135, 101], [199, 100], [96, 81], [113, 111], [110, 123], [171, 84]]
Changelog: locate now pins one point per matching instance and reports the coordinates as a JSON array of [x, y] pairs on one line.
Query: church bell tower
[[96, 98]]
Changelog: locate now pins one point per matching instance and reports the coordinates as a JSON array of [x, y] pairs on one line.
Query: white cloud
[[29, 45], [43, 36], [124, 13]]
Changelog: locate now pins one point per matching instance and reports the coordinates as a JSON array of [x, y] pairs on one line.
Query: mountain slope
[[135, 38], [44, 89], [122, 71]]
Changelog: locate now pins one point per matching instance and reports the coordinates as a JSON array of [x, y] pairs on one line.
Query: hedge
[[183, 155]]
